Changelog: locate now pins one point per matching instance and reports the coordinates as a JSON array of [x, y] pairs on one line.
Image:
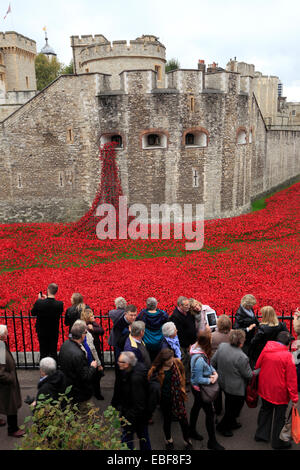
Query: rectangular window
[[61, 179], [192, 104], [195, 178], [158, 70], [70, 136], [19, 181], [27, 82]]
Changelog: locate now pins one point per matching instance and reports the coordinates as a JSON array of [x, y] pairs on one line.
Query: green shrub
[[56, 427]]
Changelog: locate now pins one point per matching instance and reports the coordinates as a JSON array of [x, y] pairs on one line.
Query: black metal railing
[[23, 341]]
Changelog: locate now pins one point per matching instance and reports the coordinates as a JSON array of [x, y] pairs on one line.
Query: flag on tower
[[8, 11]]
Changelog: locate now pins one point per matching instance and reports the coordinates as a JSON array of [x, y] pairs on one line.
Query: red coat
[[277, 380]]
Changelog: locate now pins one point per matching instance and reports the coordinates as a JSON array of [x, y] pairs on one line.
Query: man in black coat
[[121, 329], [48, 311], [74, 364], [186, 331], [52, 381], [131, 399]]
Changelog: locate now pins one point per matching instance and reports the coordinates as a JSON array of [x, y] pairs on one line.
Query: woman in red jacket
[[277, 385]]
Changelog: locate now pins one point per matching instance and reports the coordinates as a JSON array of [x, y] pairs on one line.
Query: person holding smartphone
[[48, 311]]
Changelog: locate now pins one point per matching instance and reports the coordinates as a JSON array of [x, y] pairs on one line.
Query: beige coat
[[10, 394]]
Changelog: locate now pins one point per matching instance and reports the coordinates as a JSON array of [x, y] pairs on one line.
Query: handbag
[[286, 432], [295, 425], [252, 393], [209, 392]]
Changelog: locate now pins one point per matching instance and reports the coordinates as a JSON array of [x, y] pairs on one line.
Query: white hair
[[129, 357], [78, 329], [168, 329], [3, 331], [151, 303], [120, 302], [48, 365]]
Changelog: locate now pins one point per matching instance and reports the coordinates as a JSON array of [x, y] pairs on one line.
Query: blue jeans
[[142, 434]]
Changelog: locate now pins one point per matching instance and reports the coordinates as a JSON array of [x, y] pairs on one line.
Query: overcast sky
[[265, 33]]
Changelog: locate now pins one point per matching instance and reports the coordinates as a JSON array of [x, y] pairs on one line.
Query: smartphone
[[211, 318]]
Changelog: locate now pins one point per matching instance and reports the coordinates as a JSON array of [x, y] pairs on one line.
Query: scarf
[[177, 399], [88, 351], [174, 344]]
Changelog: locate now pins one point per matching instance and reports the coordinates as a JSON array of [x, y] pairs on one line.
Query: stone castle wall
[[19, 55], [50, 166]]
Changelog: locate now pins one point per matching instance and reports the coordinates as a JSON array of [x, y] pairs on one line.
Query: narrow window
[[192, 104], [27, 82], [158, 70], [61, 179], [19, 181], [195, 179], [70, 136]]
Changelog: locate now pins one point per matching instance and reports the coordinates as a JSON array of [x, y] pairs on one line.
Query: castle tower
[[97, 54], [17, 68], [47, 50]]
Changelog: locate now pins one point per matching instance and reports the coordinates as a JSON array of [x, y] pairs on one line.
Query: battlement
[[185, 81], [11, 39], [106, 50], [88, 39]]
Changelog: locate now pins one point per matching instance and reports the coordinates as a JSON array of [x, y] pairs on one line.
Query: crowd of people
[[159, 360]]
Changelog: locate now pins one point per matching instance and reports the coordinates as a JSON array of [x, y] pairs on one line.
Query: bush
[[58, 425]]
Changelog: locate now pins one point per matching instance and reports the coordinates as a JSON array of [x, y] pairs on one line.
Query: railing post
[[31, 339], [23, 338]]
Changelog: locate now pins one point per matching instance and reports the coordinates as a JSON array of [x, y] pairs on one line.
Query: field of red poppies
[[256, 253]]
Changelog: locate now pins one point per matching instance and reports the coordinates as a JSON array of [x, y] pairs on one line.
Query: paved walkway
[[242, 439]]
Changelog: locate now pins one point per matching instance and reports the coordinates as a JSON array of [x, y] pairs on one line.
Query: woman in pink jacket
[[277, 385]]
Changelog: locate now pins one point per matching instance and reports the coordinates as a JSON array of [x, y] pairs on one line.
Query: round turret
[[97, 54]]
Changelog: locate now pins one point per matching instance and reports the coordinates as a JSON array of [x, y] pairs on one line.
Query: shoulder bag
[[208, 392]]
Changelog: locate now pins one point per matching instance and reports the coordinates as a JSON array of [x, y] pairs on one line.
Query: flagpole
[[11, 15]]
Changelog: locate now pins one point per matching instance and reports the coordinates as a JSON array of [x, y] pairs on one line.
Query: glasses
[[122, 362]]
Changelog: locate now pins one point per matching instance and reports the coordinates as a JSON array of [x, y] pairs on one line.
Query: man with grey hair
[[115, 315], [52, 381], [131, 399], [74, 364], [153, 318], [187, 333], [135, 343]]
